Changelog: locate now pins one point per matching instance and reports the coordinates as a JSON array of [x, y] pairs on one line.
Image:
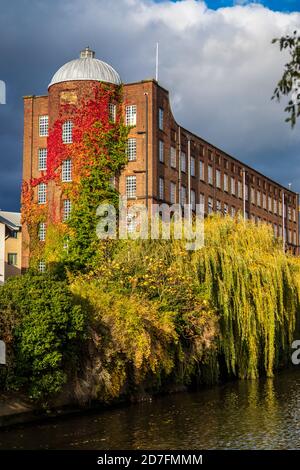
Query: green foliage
[[289, 82], [44, 329]]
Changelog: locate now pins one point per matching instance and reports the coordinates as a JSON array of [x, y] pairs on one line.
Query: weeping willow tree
[[255, 289]]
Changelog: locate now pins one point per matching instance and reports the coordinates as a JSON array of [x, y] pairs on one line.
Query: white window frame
[[161, 150], [182, 195], [193, 200], [67, 208], [42, 266], [210, 174], [183, 162], [43, 125], [66, 171], [210, 205], [232, 185], [42, 232], [173, 157], [161, 118], [225, 182], [218, 179], [42, 193], [67, 132], [42, 158], [131, 186], [112, 112], [192, 169], [173, 192], [161, 188], [201, 170], [131, 149], [130, 117]]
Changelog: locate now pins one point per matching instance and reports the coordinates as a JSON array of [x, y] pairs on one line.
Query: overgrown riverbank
[[153, 316]]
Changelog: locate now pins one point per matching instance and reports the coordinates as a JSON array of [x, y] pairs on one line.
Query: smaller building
[[10, 245]]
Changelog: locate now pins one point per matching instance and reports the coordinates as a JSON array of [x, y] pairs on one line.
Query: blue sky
[[276, 5]]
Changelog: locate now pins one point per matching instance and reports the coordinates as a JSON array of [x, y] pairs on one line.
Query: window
[[290, 236], [225, 182], [219, 207], [130, 118], [201, 170], [232, 186], [290, 212], [275, 206], [240, 190], [131, 186], [161, 151], [294, 215], [12, 259], [225, 208], [193, 199], [161, 188], [42, 159], [246, 192], [275, 230], [67, 207], [42, 193], [66, 174], [202, 202], [182, 195], [112, 112], [210, 174], [161, 118], [252, 195], [295, 238], [43, 126], [210, 205], [258, 194], [67, 132], [183, 162], [173, 193], [131, 223], [192, 169], [42, 231], [279, 208], [210, 155], [218, 178], [264, 201], [270, 204], [131, 150], [173, 157], [42, 266], [232, 211]]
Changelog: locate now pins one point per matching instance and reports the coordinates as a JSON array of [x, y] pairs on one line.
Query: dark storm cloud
[[218, 65]]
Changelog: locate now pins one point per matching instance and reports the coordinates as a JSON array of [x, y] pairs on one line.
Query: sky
[[215, 58]]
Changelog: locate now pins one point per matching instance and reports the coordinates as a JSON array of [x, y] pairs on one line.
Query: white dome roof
[[86, 68]]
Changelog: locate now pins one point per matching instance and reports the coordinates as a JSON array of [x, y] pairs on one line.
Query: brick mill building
[[166, 163]]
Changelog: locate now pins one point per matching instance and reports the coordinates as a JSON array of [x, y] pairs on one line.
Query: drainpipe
[[244, 193], [147, 152], [179, 163], [189, 176], [283, 222]]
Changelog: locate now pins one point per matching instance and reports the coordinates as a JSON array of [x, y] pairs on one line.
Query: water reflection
[[253, 414]]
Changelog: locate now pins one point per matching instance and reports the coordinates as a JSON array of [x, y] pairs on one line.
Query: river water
[[259, 414]]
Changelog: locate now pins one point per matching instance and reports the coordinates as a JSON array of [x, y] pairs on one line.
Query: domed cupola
[[87, 67]]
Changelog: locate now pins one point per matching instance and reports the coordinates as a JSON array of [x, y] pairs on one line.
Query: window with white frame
[[42, 266], [131, 223], [112, 112], [201, 170], [130, 118], [264, 201], [218, 178], [161, 118], [42, 231], [192, 169], [173, 193], [225, 208], [279, 208], [161, 188], [258, 194], [270, 204], [182, 195], [202, 202], [131, 186], [161, 150], [246, 192], [210, 205], [67, 207], [210, 174], [225, 182], [294, 214], [275, 206], [42, 159], [240, 190], [131, 149], [66, 173], [173, 157], [232, 186], [183, 162], [219, 207], [193, 200], [290, 212], [43, 126], [42, 193], [252, 195], [67, 132]]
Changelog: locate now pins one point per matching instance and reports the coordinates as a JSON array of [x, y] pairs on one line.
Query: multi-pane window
[[252, 195], [210, 205], [225, 182], [193, 199], [131, 223], [258, 194], [130, 118], [246, 192], [202, 202], [12, 259], [161, 118], [183, 162], [131, 149], [232, 180], [131, 186], [67, 207], [210, 174], [173, 157], [218, 178], [42, 231], [173, 193], [42, 193], [67, 132], [182, 195], [161, 151], [42, 266], [161, 188], [219, 207], [192, 169], [264, 201], [201, 170], [42, 159], [112, 112], [43, 126], [290, 212], [240, 189], [66, 173], [294, 215], [270, 204], [275, 205], [225, 208]]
